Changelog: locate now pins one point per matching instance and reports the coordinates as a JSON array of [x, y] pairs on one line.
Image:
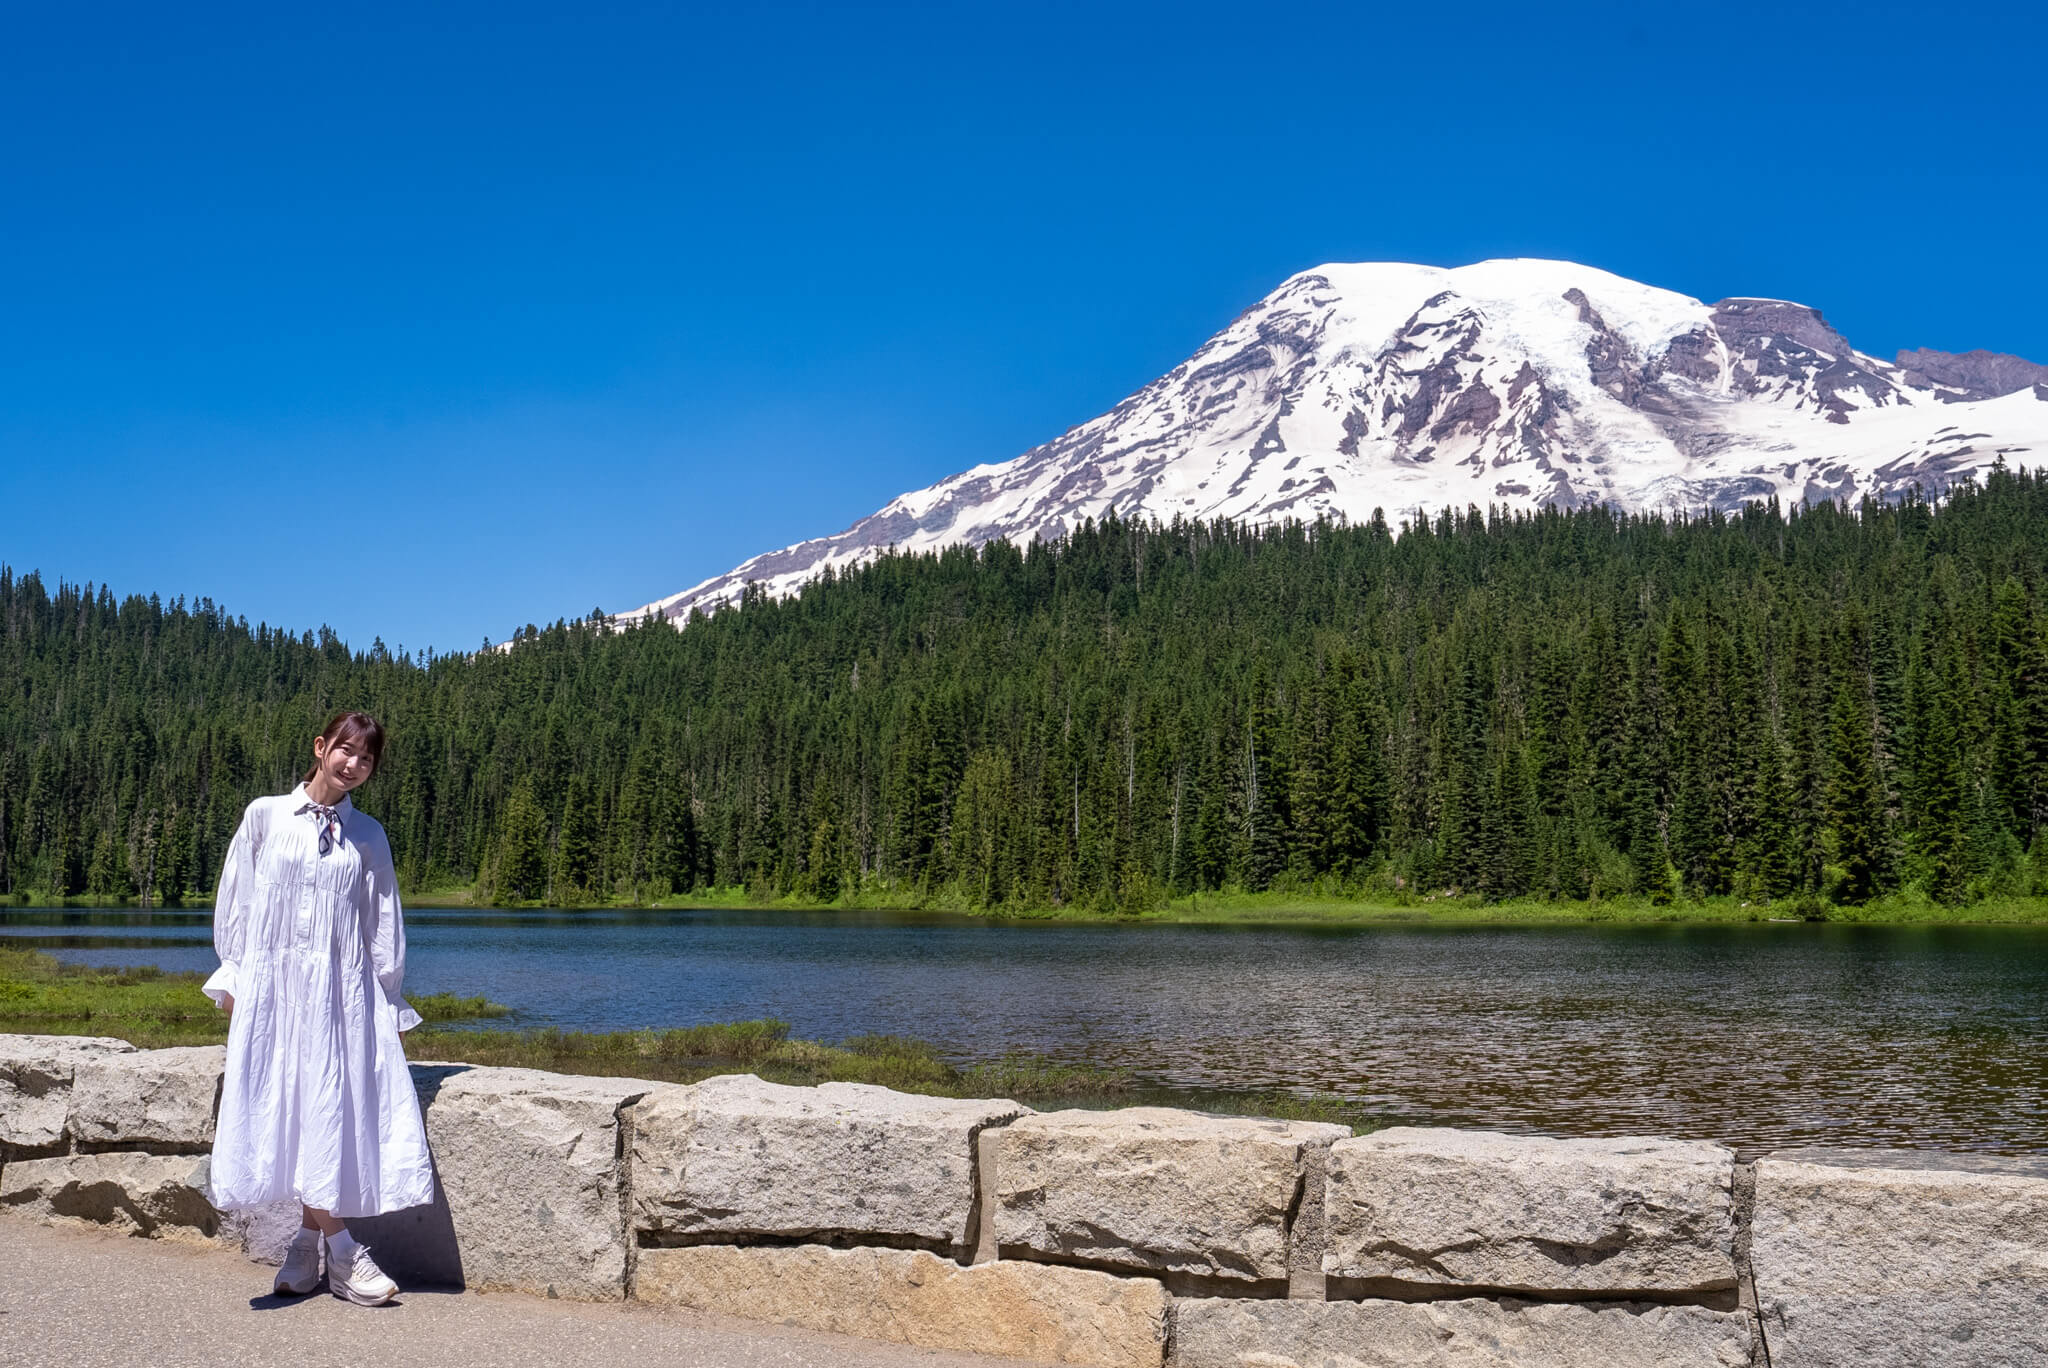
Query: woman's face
[[342, 764]]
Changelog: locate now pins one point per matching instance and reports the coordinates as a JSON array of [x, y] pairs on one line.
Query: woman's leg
[[313, 1218]]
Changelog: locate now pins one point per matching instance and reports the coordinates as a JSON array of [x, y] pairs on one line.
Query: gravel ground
[[83, 1299]]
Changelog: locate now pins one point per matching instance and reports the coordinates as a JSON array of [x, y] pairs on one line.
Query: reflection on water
[[1759, 1035]]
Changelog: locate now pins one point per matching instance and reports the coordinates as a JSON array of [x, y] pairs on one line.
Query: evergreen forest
[[1823, 702]]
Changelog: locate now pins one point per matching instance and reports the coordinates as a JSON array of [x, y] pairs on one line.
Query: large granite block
[[1421, 1209], [147, 1096], [35, 1083], [264, 1233], [136, 1194], [1153, 1189], [531, 1184], [1467, 1333], [909, 1296], [1901, 1259], [735, 1156]]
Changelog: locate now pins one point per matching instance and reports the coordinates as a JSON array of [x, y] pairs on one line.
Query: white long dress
[[318, 1104]]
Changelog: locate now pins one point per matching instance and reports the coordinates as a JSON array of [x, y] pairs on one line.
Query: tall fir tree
[[1855, 838]]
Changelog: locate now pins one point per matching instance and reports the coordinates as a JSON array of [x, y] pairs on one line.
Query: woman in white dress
[[317, 1106]]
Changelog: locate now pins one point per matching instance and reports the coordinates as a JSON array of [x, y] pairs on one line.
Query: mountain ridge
[[1363, 387]]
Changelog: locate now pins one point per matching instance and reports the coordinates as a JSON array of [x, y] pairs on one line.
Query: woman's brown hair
[[360, 730]]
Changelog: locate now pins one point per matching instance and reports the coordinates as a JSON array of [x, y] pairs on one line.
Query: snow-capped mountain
[[1415, 388]]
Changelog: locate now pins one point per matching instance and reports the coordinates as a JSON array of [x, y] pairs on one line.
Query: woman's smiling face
[[343, 764]]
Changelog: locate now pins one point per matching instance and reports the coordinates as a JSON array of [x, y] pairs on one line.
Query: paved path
[[82, 1299]]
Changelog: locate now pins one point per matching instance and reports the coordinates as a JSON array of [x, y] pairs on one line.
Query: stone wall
[[1141, 1238]]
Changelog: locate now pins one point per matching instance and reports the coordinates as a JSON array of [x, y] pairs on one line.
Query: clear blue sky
[[432, 320]]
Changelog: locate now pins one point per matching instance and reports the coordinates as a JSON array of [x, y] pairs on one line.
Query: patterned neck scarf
[[329, 820]]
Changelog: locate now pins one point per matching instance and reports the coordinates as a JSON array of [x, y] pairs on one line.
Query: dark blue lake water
[[1759, 1035]]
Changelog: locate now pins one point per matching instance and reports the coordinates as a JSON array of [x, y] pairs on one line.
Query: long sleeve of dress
[[231, 901], [385, 929]]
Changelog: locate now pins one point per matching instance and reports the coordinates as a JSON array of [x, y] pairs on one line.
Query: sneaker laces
[[363, 1268]]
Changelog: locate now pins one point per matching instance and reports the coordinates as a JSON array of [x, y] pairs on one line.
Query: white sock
[[306, 1235], [342, 1246]]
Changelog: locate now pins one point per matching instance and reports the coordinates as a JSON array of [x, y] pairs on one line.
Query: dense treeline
[[1572, 704]]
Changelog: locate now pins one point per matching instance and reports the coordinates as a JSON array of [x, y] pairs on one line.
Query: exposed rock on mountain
[[1970, 375], [1355, 388]]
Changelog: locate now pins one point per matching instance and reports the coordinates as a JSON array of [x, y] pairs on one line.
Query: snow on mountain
[[1410, 389]]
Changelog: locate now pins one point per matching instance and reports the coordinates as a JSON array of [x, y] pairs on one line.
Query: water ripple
[[1759, 1036]]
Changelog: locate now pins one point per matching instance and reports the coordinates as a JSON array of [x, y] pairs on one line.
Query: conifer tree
[[1772, 847], [1855, 842], [575, 853], [1358, 779], [1312, 780], [1576, 701], [522, 845], [1263, 785], [1467, 778], [822, 863], [1938, 794]]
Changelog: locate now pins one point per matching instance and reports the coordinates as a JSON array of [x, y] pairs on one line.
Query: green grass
[[765, 1048], [1325, 905], [144, 1005], [1330, 907], [1895, 908], [448, 1007], [152, 1009]]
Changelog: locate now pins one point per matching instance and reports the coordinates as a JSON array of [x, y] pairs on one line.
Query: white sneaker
[[301, 1271], [358, 1279]]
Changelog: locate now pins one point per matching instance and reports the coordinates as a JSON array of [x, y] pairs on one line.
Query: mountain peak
[[1356, 387]]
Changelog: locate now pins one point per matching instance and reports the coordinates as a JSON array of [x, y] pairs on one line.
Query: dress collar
[[344, 807]]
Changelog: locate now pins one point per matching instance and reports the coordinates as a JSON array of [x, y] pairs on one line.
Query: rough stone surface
[[263, 1233], [1153, 1189], [530, 1178], [1745, 1212], [35, 1083], [1470, 1333], [140, 1194], [988, 1159], [1424, 1208], [735, 1156], [148, 1096], [1885, 1259], [910, 1296], [1307, 1240]]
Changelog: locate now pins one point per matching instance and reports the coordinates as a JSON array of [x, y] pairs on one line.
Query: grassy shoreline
[[150, 1008], [1337, 909], [1317, 908]]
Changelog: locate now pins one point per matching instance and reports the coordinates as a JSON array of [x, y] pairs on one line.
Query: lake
[[1759, 1035]]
